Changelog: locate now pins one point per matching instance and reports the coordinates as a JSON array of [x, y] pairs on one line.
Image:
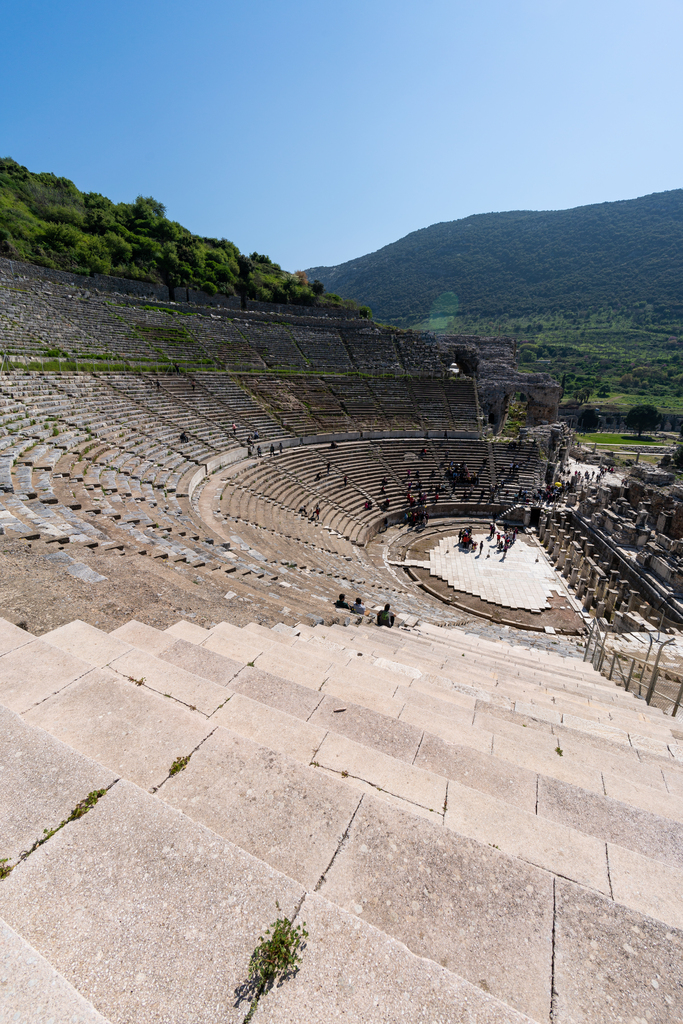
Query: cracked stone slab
[[352, 971], [613, 964], [462, 904], [433, 697], [12, 636], [276, 692], [270, 727], [357, 693], [298, 665], [30, 674], [547, 844], [365, 677], [83, 640], [548, 763], [32, 992], [41, 781], [165, 678], [646, 885], [190, 631], [201, 662], [281, 811], [144, 637], [396, 739], [448, 727], [654, 801], [612, 821], [481, 771], [150, 915], [238, 646], [132, 730], [415, 785]]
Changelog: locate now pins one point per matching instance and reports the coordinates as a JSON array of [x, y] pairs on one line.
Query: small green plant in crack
[[5, 867], [559, 751], [250, 664], [138, 682], [79, 810], [179, 764], [275, 959]]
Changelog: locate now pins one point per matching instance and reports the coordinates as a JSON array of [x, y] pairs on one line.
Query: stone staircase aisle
[[401, 790]]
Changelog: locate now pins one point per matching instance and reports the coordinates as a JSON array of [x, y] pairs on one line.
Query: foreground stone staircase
[[471, 831]]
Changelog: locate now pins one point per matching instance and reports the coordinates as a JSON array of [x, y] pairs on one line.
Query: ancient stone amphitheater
[[473, 827]]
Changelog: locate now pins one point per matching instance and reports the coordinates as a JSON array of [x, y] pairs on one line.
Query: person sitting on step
[[385, 617], [341, 602], [358, 607]]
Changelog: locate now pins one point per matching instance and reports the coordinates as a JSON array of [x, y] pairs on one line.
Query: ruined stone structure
[[493, 362], [621, 549]]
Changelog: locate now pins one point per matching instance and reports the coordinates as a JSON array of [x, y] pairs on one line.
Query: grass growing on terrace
[[619, 439]]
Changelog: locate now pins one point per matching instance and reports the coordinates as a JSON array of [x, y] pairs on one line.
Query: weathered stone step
[[42, 780], [368, 766], [152, 873], [32, 991], [564, 850], [448, 716]]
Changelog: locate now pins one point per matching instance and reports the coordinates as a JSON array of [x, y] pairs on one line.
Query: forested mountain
[[47, 220], [525, 264]]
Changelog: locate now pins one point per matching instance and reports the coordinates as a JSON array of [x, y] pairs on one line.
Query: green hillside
[[47, 220], [594, 294]]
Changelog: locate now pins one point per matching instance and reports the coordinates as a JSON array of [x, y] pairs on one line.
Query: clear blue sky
[[319, 131]]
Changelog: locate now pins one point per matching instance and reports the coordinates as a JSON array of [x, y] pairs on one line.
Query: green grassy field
[[618, 439]]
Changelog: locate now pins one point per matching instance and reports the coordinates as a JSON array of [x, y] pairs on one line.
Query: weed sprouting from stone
[[275, 959], [179, 764], [559, 751], [138, 682], [5, 867], [79, 810]]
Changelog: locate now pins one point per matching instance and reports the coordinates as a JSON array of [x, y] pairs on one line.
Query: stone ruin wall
[[493, 361], [621, 548]]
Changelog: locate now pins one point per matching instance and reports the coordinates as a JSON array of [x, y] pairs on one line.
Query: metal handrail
[[655, 669], [636, 667]]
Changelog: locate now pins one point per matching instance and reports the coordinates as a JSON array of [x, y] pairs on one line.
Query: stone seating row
[[358, 400], [115, 960], [140, 331], [85, 324], [299, 477], [409, 794], [223, 388], [274, 343]]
